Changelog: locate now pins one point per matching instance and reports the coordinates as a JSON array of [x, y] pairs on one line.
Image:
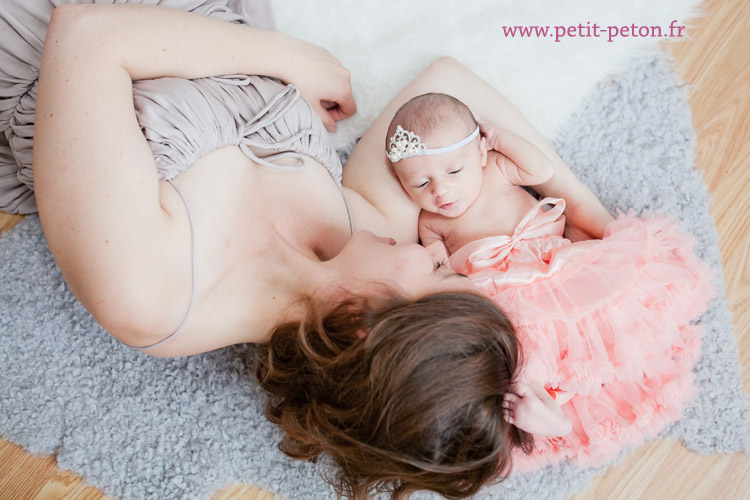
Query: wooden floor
[[715, 63]]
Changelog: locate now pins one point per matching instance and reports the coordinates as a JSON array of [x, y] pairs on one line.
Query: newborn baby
[[465, 191]]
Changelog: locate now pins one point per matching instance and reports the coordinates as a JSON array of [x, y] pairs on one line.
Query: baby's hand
[[534, 411], [491, 135], [438, 252], [523, 163]]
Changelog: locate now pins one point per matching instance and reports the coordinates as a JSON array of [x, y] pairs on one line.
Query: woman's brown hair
[[403, 398]]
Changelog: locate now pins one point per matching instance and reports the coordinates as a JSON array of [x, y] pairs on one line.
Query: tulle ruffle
[[606, 326]]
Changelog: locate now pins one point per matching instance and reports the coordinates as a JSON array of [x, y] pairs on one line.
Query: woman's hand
[[321, 79], [533, 410]]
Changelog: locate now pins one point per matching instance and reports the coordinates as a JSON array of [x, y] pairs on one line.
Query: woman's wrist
[[285, 61]]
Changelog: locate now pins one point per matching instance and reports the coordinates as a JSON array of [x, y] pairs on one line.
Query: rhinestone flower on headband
[[405, 144]]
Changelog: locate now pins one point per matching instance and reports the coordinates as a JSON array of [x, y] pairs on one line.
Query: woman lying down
[[214, 214]]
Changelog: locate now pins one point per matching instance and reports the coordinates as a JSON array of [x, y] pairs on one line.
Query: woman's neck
[[300, 274]]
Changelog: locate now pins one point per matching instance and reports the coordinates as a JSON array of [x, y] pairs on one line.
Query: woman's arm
[[95, 177], [368, 172], [153, 42]]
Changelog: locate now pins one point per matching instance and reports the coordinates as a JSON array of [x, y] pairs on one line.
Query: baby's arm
[[534, 411], [521, 161], [431, 237], [524, 164]]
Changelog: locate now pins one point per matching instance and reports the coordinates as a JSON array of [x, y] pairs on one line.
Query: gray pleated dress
[[182, 120]]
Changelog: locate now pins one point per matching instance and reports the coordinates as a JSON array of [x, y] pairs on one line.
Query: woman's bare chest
[[245, 219], [237, 205]]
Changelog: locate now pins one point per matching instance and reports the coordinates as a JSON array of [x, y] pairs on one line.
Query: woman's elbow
[[65, 15], [444, 74], [132, 317], [445, 63], [72, 22]]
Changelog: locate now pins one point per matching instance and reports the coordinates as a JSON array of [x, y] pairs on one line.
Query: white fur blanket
[[385, 44]]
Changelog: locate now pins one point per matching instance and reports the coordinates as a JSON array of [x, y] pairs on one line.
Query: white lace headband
[[405, 144]]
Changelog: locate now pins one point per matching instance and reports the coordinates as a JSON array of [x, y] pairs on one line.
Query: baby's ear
[[483, 151]]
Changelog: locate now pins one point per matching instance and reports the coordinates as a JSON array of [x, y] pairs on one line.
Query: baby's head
[[435, 148]]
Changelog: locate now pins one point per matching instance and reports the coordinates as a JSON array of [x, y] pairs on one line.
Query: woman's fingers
[[343, 108], [332, 108], [322, 80], [334, 111], [329, 122]]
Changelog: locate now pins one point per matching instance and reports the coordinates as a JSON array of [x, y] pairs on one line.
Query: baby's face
[[448, 183]]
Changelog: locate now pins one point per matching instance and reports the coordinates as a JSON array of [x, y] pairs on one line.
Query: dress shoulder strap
[[192, 286]]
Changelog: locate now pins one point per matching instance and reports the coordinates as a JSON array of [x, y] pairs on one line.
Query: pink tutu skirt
[[604, 325]]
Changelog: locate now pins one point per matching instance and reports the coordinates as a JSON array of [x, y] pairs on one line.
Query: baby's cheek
[[427, 203], [417, 196]]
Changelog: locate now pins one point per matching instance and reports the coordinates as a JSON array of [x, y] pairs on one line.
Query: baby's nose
[[439, 189]]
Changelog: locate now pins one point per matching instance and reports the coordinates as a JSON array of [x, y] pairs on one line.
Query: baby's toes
[[510, 399]]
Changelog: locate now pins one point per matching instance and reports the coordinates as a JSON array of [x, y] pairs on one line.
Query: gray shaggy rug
[[142, 427]]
